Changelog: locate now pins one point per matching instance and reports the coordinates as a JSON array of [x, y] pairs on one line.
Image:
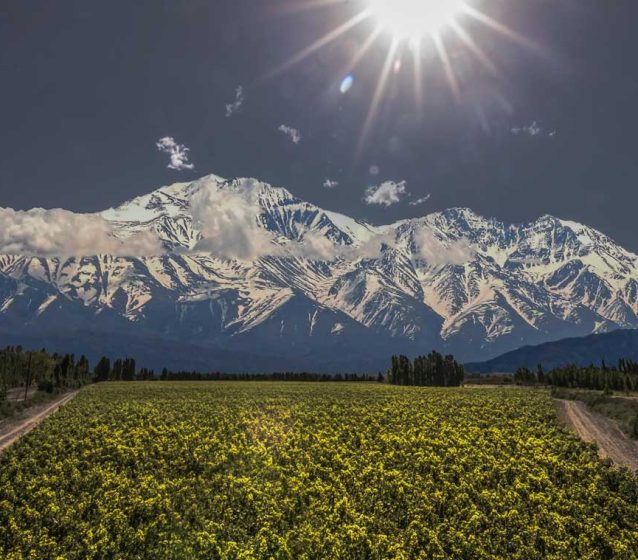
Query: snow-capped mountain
[[251, 277]]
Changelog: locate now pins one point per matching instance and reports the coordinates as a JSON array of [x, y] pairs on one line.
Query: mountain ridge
[[579, 351], [246, 266]]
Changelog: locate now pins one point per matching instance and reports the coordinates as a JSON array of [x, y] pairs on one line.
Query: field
[[310, 471]]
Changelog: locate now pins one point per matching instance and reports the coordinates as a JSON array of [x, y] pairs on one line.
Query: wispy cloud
[[330, 184], [235, 106], [178, 153], [386, 194], [439, 252], [421, 200], [292, 133], [533, 129]]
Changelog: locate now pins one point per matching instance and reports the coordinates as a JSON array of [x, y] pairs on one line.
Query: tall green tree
[[102, 371]]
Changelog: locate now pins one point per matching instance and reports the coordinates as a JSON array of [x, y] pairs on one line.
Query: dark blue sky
[[88, 87]]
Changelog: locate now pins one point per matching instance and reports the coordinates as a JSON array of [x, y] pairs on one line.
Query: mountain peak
[[175, 200], [548, 219]]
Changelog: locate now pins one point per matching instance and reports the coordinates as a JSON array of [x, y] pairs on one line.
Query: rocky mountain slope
[[249, 274]]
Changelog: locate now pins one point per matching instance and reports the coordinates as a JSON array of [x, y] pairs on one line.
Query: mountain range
[[239, 275], [581, 351]]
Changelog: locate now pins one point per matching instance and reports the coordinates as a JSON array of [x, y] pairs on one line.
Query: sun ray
[[418, 76], [361, 52], [319, 43], [378, 94], [476, 50], [500, 28], [309, 5], [447, 65], [410, 24]]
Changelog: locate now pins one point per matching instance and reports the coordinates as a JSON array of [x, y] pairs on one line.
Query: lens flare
[[346, 84]]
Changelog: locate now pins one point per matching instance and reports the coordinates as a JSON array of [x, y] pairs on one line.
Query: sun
[[415, 19], [408, 23]]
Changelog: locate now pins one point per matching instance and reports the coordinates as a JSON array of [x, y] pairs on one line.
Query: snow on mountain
[[250, 267], [180, 214]]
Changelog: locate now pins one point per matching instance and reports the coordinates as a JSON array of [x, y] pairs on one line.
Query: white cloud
[[428, 247], [386, 194], [330, 184], [228, 222], [48, 233], [178, 153], [421, 200], [315, 246], [235, 106], [438, 252], [372, 247], [532, 129], [292, 133]]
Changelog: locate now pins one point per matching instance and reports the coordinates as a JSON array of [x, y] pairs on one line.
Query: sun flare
[[426, 26], [414, 19]]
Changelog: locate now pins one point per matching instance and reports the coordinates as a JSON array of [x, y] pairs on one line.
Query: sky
[[103, 101]]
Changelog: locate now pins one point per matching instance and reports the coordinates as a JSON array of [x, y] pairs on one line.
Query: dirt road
[[592, 427], [15, 431]]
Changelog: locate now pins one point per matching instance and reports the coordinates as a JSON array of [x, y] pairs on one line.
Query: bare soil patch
[[595, 428]]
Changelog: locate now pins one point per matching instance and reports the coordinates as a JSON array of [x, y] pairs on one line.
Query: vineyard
[[310, 471]]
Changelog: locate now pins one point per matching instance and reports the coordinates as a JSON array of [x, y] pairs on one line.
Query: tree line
[[433, 370], [47, 372], [622, 377], [24, 370], [54, 372]]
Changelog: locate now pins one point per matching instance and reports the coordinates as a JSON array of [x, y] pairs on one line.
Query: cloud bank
[[230, 221], [48, 233], [178, 153]]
